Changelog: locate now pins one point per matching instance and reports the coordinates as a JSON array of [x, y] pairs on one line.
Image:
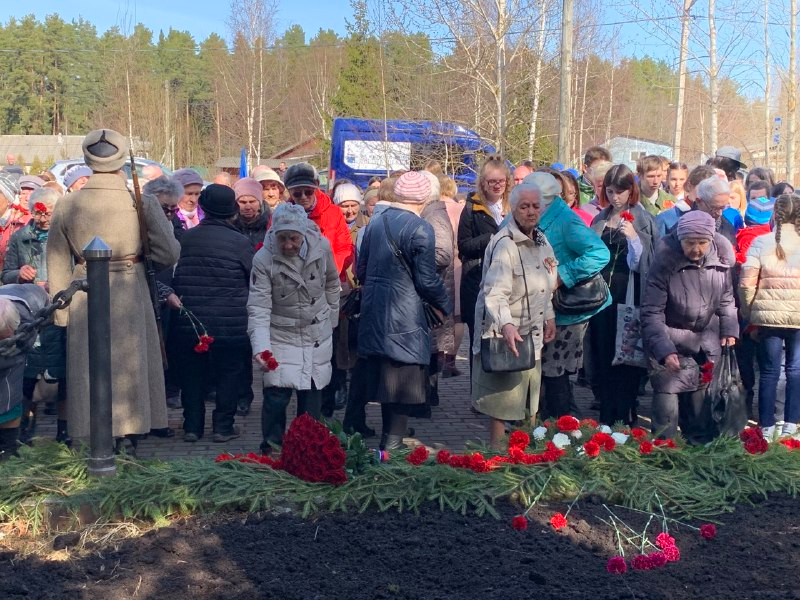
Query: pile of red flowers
[[310, 452], [478, 463], [599, 441], [791, 443], [753, 440]]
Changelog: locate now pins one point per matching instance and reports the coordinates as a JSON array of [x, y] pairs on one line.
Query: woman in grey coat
[[687, 314]]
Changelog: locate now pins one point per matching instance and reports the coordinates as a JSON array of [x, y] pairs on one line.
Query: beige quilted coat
[[104, 208], [769, 289]]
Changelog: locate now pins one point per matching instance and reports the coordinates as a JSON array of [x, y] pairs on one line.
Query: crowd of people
[[606, 277]]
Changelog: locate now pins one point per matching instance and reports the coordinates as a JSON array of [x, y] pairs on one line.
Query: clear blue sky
[[199, 17]]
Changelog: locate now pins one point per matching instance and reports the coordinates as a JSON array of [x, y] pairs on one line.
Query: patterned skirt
[[565, 353]]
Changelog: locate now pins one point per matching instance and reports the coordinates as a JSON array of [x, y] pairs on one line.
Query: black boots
[[8, 443]]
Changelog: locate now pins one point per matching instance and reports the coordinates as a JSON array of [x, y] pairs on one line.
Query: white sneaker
[[768, 433], [789, 429]]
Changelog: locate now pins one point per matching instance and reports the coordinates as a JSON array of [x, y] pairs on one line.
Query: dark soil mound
[[430, 556]]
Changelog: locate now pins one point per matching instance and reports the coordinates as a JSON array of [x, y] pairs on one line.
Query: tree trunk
[[565, 103], [713, 76], [537, 81], [677, 139], [791, 107]]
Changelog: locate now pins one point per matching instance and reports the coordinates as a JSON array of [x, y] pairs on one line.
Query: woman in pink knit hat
[[397, 269]]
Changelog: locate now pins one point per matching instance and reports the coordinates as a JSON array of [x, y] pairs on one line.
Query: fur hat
[[412, 187], [218, 201], [247, 186], [105, 150], [289, 217]]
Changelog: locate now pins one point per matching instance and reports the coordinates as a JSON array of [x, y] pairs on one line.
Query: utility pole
[[791, 107], [676, 141], [565, 104], [713, 80], [767, 86]]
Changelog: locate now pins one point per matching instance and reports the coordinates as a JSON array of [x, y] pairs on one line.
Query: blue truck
[[365, 148]]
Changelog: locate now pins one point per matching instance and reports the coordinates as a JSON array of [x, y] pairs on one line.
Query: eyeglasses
[[496, 182], [41, 214], [169, 210], [297, 194]]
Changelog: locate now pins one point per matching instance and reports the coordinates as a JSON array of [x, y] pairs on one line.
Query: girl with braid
[[769, 289]]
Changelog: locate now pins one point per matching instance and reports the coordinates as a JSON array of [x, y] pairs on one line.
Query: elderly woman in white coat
[[519, 260], [292, 311]]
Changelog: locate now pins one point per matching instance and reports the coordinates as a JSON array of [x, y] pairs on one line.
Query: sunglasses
[[169, 211], [300, 193]]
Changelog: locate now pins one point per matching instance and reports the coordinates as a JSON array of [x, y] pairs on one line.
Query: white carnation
[[605, 429], [561, 440], [577, 434], [620, 437], [539, 433]]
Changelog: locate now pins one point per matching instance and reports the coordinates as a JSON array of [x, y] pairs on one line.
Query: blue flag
[[243, 165]]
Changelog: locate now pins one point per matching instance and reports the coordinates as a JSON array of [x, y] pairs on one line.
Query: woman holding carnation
[[688, 312], [628, 231], [515, 300], [292, 311]]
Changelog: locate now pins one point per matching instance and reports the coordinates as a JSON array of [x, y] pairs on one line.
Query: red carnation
[[645, 447], [664, 540], [672, 553], [707, 367], [206, 339], [568, 423], [558, 521], [269, 360], [667, 443], [657, 559], [443, 457], [617, 565], [638, 433], [708, 531], [604, 440], [589, 423], [259, 246], [201, 348], [627, 216], [519, 439], [40, 207], [418, 455], [224, 457], [478, 463], [519, 523], [591, 448], [641, 562], [756, 446]]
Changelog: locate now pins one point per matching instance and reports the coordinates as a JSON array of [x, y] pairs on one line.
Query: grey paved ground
[[453, 424]]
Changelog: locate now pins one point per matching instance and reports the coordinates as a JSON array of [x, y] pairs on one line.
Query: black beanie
[[219, 201]]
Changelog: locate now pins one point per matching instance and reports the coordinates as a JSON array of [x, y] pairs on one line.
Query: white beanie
[[547, 184], [347, 192]]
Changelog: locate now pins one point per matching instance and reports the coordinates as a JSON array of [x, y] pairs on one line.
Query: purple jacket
[[686, 309]]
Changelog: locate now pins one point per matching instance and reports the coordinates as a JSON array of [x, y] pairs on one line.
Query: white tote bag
[[629, 348]]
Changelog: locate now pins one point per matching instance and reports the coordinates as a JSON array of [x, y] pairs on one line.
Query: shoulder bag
[[584, 297], [496, 356], [433, 316]]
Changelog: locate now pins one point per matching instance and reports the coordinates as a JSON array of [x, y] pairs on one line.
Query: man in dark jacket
[[211, 279]]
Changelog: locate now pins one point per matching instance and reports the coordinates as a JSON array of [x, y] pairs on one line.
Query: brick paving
[[453, 424]]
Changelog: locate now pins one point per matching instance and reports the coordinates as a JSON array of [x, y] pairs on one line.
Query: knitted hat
[[412, 187], [266, 174], [218, 201], [105, 150], [300, 175], [436, 188], [188, 177], [370, 193], [289, 217], [30, 182], [696, 224], [347, 192], [247, 186], [75, 173], [8, 187], [759, 210]]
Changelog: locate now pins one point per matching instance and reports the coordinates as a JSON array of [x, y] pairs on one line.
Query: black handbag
[[433, 316], [352, 305], [496, 356], [584, 297]]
